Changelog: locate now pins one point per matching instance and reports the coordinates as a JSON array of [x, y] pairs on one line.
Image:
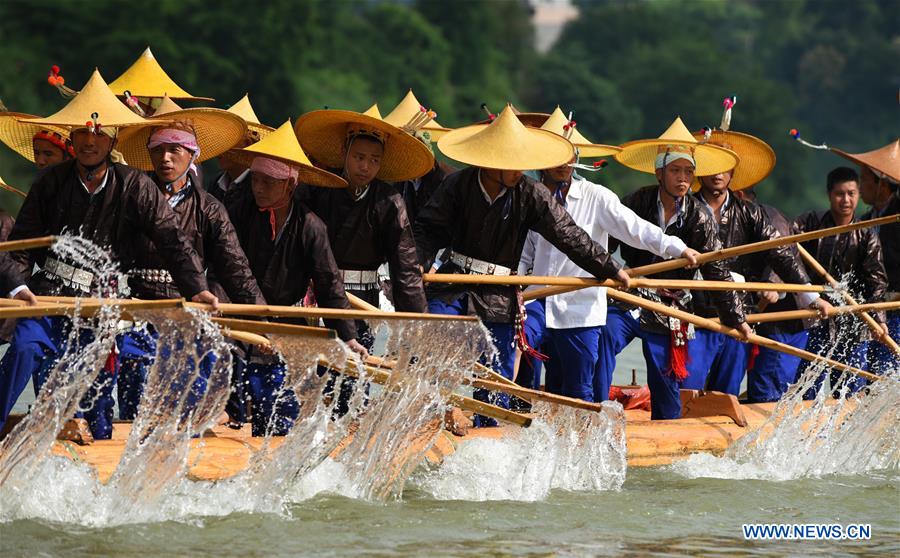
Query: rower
[[232, 168], [483, 214], [567, 327], [111, 204], [722, 358], [287, 246], [675, 157], [856, 252], [172, 153]]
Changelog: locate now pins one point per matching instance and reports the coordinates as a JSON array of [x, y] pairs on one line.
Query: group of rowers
[[308, 213]]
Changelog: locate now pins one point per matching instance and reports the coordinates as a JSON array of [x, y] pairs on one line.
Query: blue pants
[[717, 362], [773, 371], [504, 363], [621, 328], [881, 357], [665, 397], [36, 346], [572, 352], [535, 328], [274, 408], [848, 350]]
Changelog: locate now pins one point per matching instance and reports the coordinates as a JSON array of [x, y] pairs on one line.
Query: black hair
[[841, 175]]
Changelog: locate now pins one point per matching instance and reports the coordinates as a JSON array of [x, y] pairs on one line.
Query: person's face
[[868, 186], [91, 149], [717, 182], [47, 154], [508, 178], [363, 161], [844, 197], [268, 191], [559, 174], [170, 160], [676, 177]]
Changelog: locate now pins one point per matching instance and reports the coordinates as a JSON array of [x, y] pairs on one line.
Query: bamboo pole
[[275, 327], [12, 189], [580, 282], [869, 320], [86, 308], [707, 323], [326, 313], [726, 253], [766, 317], [27, 243]]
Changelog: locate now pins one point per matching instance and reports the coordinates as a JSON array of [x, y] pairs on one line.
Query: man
[[675, 157], [879, 176], [233, 170], [288, 248], [567, 327], [110, 204], [858, 253], [172, 151], [737, 222], [483, 214], [44, 146]]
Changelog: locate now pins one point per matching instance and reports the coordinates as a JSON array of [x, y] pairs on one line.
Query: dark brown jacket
[[784, 228], [205, 221], [416, 193], [367, 233], [459, 217], [129, 206], [302, 254], [889, 235], [696, 228], [857, 252]]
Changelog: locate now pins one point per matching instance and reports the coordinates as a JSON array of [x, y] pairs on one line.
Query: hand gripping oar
[[726, 253], [707, 323], [870, 321]]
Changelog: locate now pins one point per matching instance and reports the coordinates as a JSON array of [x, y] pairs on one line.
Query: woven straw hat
[[216, 131], [244, 109], [282, 145], [640, 155], [885, 160], [374, 112], [506, 144], [324, 134], [146, 78], [407, 110], [757, 159], [95, 98], [586, 149], [19, 135]]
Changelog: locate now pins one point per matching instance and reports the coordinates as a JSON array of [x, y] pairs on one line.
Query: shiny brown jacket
[[889, 236]]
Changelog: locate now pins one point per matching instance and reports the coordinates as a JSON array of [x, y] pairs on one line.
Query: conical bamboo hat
[[586, 149], [507, 144], [640, 155], [19, 136], [216, 131], [757, 159], [374, 112], [244, 109], [146, 78], [408, 108], [282, 145], [885, 160]]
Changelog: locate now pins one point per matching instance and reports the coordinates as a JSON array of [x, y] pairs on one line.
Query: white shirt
[[599, 212]]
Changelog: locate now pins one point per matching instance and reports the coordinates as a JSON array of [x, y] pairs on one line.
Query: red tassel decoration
[[680, 357]]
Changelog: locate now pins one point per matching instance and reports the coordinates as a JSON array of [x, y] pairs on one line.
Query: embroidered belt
[[478, 267], [360, 279], [69, 274], [152, 275]]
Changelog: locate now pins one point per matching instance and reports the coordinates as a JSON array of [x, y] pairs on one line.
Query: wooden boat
[[224, 452]]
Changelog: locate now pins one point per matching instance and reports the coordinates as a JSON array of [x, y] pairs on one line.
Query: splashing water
[[564, 448]]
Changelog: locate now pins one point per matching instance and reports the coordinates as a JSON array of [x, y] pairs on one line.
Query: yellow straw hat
[[757, 159], [507, 144], [409, 109], [216, 131], [94, 104], [146, 78], [885, 160], [167, 105], [374, 112], [641, 155], [19, 136], [530, 119], [244, 109], [282, 145], [559, 124], [324, 135]]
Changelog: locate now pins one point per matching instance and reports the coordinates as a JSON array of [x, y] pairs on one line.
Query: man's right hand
[[623, 277], [27, 297], [691, 255]]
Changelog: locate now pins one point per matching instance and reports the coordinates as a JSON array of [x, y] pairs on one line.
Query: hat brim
[[323, 136], [593, 150], [216, 130], [535, 149], [879, 166], [307, 174], [640, 155], [530, 119], [757, 159], [19, 136]]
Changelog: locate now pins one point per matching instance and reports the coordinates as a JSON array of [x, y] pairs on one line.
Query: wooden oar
[[870, 321], [277, 328], [580, 282], [706, 323], [86, 308], [726, 253], [766, 317], [27, 243], [326, 313]]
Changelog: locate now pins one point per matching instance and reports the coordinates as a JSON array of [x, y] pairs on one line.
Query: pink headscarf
[[273, 168], [183, 138]]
